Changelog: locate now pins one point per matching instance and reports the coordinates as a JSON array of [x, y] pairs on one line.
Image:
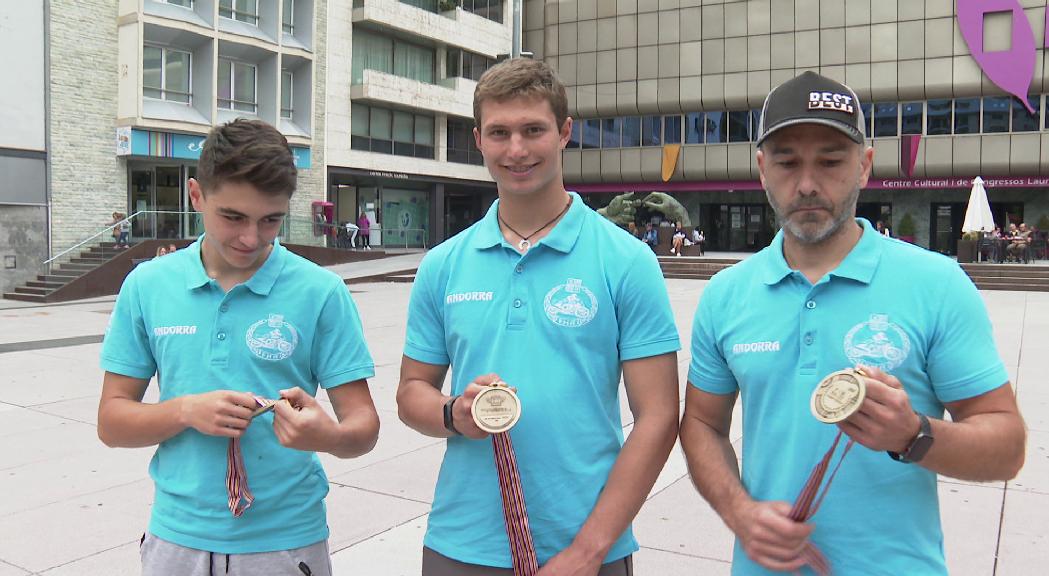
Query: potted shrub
[[905, 231], [967, 247]]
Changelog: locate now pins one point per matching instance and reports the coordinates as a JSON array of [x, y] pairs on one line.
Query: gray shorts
[[436, 564], [163, 558]]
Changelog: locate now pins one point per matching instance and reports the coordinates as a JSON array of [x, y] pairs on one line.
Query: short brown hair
[[521, 77], [248, 151]]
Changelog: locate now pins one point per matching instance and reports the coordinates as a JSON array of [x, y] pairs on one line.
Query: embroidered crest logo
[[877, 342], [272, 339], [570, 304]]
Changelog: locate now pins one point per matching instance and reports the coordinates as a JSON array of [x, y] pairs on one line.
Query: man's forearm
[[127, 423], [634, 473], [421, 407], [981, 448], [712, 465]]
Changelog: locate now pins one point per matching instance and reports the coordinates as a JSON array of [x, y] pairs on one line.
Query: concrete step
[[23, 297], [57, 277], [43, 284], [1013, 286], [29, 290], [91, 260], [76, 267], [402, 278]]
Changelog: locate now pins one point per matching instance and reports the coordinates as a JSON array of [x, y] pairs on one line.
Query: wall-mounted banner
[[185, 146]]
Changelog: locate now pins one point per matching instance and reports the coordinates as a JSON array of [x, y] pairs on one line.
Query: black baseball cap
[[812, 99]]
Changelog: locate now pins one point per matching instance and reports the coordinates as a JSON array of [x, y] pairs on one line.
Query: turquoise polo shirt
[[556, 323], [292, 324], [764, 330]]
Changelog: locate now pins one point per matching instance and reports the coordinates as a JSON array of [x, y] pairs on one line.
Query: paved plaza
[[72, 506]]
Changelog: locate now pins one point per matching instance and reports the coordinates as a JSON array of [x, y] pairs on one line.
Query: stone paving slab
[[75, 507]]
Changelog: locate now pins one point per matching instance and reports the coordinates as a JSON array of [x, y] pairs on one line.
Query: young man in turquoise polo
[[228, 325], [551, 298], [831, 293]]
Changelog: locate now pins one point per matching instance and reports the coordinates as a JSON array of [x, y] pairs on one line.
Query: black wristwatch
[[449, 421], [919, 446]]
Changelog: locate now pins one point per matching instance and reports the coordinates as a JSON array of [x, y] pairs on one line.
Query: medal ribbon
[[240, 496], [517, 531], [809, 501]]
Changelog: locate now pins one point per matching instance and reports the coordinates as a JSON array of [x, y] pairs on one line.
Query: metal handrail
[[110, 228]]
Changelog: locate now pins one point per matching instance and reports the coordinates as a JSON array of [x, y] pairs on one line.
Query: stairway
[[38, 290], [687, 268], [1020, 277]]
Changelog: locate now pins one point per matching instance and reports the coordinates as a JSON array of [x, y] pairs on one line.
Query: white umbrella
[[978, 214]]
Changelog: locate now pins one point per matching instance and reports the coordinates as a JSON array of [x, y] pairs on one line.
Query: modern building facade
[[23, 143], [108, 102], [667, 95], [399, 143]]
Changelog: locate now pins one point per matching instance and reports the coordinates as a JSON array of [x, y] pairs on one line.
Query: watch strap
[[919, 445], [449, 419]]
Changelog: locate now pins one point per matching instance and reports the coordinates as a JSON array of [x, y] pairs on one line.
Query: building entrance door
[[740, 227], [459, 213], [945, 227], [161, 193]]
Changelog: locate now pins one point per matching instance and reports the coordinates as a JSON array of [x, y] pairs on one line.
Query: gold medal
[[496, 408], [839, 395]]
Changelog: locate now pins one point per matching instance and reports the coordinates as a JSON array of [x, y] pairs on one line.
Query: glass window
[[359, 129], [867, 117], [672, 129], [380, 130], [424, 138], [166, 74], [938, 117], [461, 145], [911, 118], [371, 52], [413, 61], [152, 72], [967, 116], [575, 137], [651, 130], [286, 106], [384, 54], [996, 114], [631, 131], [288, 16], [739, 126], [694, 128], [755, 123], [490, 9], [236, 86], [1024, 121], [611, 132], [243, 10], [453, 62], [428, 5], [886, 119], [475, 65], [716, 127], [183, 3], [591, 133]]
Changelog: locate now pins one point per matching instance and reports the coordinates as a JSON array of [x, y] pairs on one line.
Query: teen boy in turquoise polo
[[831, 293], [235, 316], [550, 297]]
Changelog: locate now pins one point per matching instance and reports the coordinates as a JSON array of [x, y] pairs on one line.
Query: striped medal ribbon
[[517, 531], [838, 396], [496, 410], [240, 496], [809, 501]]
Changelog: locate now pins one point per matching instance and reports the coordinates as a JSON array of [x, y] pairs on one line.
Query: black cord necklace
[[524, 244]]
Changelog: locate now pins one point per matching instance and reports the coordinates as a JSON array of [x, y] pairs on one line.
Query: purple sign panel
[[1012, 69]]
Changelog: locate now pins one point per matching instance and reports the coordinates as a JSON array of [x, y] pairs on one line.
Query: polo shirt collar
[[562, 238], [261, 282], [858, 265]]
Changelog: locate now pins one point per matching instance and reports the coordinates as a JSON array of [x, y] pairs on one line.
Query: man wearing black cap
[[831, 293]]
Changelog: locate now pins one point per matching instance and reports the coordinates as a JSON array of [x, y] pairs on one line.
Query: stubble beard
[[803, 233]]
